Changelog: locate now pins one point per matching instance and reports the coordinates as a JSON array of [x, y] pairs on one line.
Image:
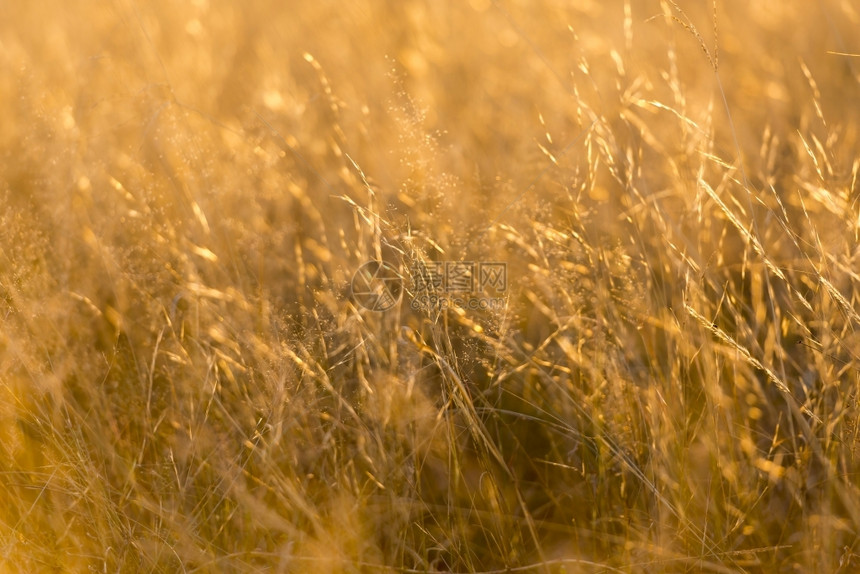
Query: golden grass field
[[188, 384]]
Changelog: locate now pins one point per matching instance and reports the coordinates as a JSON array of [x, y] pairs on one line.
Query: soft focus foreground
[[186, 189]]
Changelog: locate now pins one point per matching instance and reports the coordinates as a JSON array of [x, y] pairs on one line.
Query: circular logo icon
[[377, 286]]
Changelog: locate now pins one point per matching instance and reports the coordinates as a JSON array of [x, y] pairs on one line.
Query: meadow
[[190, 382]]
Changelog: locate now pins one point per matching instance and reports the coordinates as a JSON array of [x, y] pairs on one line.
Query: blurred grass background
[[186, 189]]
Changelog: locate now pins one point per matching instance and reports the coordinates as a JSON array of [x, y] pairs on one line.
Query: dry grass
[[187, 188]]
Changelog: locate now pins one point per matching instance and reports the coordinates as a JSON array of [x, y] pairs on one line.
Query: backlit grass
[[188, 385]]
